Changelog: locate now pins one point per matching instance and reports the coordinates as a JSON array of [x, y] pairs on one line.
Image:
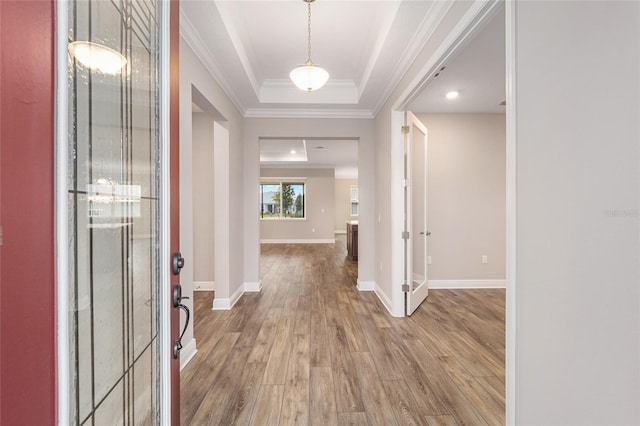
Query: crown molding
[[285, 92], [239, 48], [307, 113], [199, 47], [428, 26], [377, 49]]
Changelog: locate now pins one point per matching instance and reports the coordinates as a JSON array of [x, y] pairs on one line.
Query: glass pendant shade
[[97, 57], [309, 77]]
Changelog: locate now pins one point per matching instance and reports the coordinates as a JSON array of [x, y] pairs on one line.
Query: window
[[282, 200], [354, 201]]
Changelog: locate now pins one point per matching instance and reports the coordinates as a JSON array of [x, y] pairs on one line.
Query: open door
[[416, 233]]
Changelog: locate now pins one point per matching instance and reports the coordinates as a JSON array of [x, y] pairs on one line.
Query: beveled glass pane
[[113, 177]]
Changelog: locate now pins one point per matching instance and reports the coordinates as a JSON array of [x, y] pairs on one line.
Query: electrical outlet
[[428, 260], [313, 229], [484, 259], [380, 266]]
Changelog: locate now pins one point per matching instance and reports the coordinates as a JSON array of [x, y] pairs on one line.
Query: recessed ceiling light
[[453, 94], [293, 151]]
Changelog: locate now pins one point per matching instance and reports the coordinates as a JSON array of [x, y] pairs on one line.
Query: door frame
[[479, 13]]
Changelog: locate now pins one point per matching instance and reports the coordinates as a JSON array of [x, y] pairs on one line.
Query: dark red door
[[27, 275]]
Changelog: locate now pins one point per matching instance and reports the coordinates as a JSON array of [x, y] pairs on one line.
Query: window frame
[[280, 181], [354, 200]]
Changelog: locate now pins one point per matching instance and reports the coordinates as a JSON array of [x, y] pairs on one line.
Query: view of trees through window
[[282, 200]]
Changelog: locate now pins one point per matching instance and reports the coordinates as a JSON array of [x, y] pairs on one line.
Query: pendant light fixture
[[309, 77]]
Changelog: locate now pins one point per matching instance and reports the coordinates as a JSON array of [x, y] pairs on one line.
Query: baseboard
[[461, 284], [253, 287], [366, 285], [187, 352], [342, 231], [222, 304], [299, 241], [386, 302], [204, 286]]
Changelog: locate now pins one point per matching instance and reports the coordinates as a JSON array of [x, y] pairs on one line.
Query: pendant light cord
[[309, 32]]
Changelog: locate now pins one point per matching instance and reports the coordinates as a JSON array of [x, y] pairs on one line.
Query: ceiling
[[338, 154], [250, 46], [477, 72]]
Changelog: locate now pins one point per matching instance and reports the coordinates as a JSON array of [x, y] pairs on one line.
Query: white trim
[[60, 211], [204, 286], [299, 241], [307, 113], [227, 304], [427, 28], [366, 285], [459, 284], [512, 235], [221, 304], [232, 32], [340, 231], [166, 343], [190, 35], [278, 180], [397, 214], [253, 287], [187, 353], [387, 303]]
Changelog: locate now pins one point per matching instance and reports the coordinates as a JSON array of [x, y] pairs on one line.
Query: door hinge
[[405, 182], [405, 288], [405, 235], [1, 239], [405, 130]]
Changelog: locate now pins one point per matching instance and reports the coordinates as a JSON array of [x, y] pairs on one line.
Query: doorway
[[462, 100], [308, 190], [203, 226]]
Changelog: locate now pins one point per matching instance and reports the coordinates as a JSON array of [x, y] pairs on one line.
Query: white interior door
[[416, 229]]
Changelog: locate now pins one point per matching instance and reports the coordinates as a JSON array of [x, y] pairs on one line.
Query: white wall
[[228, 189], [466, 197], [318, 224], [577, 272], [343, 128], [342, 204], [203, 203]]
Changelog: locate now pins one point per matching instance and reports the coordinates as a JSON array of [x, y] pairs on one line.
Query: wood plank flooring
[[312, 350]]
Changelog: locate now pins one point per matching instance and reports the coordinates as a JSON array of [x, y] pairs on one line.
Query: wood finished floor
[[310, 349]]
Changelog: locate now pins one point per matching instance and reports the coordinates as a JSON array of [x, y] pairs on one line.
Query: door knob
[[177, 303]]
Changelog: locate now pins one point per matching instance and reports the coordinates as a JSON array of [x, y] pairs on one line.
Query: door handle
[[426, 233], [177, 263], [177, 303]]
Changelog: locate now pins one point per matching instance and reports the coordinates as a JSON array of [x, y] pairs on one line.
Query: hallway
[[312, 349]]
